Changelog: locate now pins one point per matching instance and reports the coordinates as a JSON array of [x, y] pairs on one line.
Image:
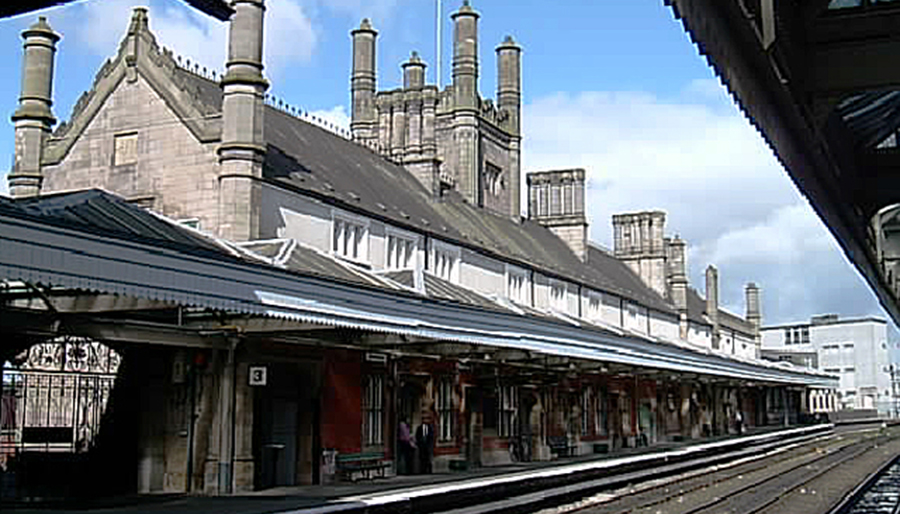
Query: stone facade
[[450, 138]]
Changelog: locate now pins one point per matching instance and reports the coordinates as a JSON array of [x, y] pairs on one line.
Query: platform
[[416, 493]]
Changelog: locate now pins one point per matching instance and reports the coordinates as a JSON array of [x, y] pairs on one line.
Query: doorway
[[286, 427]]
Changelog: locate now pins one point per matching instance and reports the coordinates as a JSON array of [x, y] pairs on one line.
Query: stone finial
[[139, 20], [364, 26]]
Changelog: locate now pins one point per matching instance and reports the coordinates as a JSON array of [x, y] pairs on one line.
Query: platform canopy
[[820, 80], [89, 261], [219, 9]]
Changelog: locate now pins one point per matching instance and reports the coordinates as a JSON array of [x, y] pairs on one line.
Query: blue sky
[[615, 87]]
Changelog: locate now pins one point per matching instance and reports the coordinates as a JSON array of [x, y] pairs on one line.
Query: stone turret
[[243, 148], [467, 161], [413, 72], [509, 101], [677, 281], [712, 302], [556, 201], [451, 138], [363, 116], [465, 55], [33, 119], [509, 81]]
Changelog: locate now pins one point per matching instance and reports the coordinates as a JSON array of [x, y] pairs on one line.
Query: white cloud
[[290, 37], [375, 9], [697, 157], [336, 116]]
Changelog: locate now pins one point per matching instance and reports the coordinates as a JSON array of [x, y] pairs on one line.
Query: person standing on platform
[[425, 443], [407, 448]]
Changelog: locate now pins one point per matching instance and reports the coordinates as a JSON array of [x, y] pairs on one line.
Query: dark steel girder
[[789, 88], [219, 9], [853, 51]]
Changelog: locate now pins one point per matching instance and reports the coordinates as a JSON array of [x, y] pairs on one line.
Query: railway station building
[[246, 298]]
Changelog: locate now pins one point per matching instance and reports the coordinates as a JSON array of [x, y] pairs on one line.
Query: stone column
[[243, 149]]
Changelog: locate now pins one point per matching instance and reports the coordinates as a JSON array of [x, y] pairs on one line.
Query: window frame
[[360, 222], [521, 296], [507, 409], [445, 410], [407, 237], [452, 252], [116, 149], [559, 303], [373, 410]]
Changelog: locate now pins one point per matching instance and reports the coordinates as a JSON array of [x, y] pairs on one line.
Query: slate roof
[[697, 313], [304, 157]]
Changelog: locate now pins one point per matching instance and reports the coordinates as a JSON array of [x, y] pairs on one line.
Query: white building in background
[[854, 349]]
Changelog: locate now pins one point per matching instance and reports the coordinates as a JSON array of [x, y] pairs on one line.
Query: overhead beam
[[126, 332], [854, 50]]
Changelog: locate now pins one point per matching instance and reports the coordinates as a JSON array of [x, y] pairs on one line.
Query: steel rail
[[860, 490], [785, 454], [866, 444]]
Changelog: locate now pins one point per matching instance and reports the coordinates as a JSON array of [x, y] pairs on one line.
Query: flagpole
[[437, 43]]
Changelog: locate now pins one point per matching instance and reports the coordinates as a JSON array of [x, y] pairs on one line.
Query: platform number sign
[[258, 375]]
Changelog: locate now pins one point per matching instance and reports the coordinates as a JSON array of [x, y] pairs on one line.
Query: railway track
[[879, 494], [757, 485]]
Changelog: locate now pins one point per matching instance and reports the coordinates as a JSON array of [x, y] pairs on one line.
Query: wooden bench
[[559, 444], [353, 466]]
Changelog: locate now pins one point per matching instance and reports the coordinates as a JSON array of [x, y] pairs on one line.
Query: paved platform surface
[[341, 496]]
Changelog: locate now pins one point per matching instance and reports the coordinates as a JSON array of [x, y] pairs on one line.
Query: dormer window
[[593, 310], [350, 238], [401, 252], [445, 262], [516, 285], [558, 296]]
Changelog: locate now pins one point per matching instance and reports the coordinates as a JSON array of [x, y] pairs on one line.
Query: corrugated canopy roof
[[103, 213]]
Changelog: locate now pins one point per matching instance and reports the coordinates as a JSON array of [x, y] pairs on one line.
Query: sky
[[614, 87]]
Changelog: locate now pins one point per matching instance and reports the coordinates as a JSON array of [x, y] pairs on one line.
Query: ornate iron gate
[[55, 395]]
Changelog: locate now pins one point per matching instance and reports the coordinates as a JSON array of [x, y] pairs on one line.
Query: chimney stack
[[556, 201], [242, 150], [363, 115], [465, 55], [712, 302], [639, 241], [33, 119], [509, 81], [677, 280], [754, 314]]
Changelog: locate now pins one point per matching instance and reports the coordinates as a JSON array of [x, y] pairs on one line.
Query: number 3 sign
[[258, 375]]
